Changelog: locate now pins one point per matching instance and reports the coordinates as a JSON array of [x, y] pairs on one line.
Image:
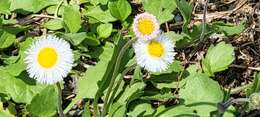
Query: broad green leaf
[[17, 68], [6, 39], [174, 36], [104, 30], [45, 103], [94, 74], [201, 93], [120, 9], [19, 65], [5, 6], [10, 59], [53, 24], [99, 14], [229, 29], [175, 111], [131, 92], [96, 2], [162, 9], [186, 10], [75, 38], [21, 89], [140, 108], [168, 78], [25, 6], [72, 18], [160, 97], [91, 39], [218, 58], [176, 66]]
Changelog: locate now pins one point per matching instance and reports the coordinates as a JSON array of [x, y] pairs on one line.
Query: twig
[[245, 67], [45, 16], [167, 27]]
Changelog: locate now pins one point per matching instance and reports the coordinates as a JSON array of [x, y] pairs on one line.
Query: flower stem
[[60, 111], [119, 82], [57, 8], [115, 73]]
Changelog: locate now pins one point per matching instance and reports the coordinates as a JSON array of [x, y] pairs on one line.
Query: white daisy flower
[[154, 55], [146, 26], [49, 59]]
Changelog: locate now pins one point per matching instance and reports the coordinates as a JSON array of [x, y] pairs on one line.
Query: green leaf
[[72, 18], [186, 10], [131, 92], [44, 104], [174, 36], [75, 38], [5, 6], [21, 89], [228, 28], [175, 111], [34, 6], [54, 24], [140, 108], [19, 65], [96, 2], [19, 68], [99, 14], [176, 66], [162, 9], [91, 40], [201, 93], [6, 39], [120, 9], [117, 110], [104, 30], [94, 74], [218, 58]]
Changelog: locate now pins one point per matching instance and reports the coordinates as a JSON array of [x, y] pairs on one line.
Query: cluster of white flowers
[[154, 50]]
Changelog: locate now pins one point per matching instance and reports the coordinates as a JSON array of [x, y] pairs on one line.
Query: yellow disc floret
[[47, 57], [145, 26], [155, 49]]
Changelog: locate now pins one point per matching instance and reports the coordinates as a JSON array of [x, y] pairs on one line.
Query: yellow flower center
[[47, 57], [145, 26], [155, 49], [257, 100]]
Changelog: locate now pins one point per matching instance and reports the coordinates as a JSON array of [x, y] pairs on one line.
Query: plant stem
[[57, 8], [119, 82], [60, 111], [115, 73]]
